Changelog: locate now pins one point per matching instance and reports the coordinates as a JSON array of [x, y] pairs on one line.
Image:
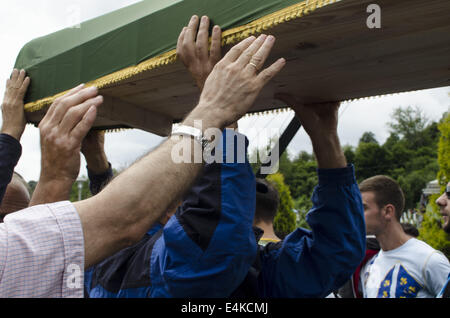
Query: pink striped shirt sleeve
[[42, 253]]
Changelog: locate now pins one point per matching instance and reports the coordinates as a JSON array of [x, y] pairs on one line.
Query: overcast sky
[[24, 20]]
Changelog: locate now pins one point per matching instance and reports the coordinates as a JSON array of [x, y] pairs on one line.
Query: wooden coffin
[[332, 55]]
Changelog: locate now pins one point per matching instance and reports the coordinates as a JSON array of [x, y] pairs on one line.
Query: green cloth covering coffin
[[332, 54]]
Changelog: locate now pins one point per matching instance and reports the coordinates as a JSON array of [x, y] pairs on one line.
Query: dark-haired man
[[405, 267]]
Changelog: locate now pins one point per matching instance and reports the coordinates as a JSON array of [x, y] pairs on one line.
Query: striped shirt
[[42, 253]]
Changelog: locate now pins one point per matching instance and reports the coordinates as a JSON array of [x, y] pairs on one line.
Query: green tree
[[285, 164], [412, 185], [430, 230], [391, 141], [368, 137], [409, 123], [349, 153], [370, 159], [85, 192], [303, 176], [285, 220], [399, 155]]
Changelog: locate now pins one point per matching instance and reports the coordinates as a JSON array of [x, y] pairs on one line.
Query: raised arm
[[13, 126], [313, 263], [13, 107]]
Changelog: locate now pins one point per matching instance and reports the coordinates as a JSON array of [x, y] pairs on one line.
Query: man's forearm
[[145, 191], [98, 163], [51, 191], [328, 151]]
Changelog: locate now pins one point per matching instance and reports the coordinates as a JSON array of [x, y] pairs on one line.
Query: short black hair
[[410, 229], [267, 201]]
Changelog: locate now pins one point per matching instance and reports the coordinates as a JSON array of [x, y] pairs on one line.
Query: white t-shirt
[[412, 270]]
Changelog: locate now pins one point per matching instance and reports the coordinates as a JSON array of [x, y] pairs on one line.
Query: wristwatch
[[193, 132]]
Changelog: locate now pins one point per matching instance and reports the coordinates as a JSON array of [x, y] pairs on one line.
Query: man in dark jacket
[[313, 263]]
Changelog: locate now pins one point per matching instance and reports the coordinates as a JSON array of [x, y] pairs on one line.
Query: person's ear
[[389, 212]]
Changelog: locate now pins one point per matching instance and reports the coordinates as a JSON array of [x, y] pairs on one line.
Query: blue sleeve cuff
[[342, 176], [98, 181], [14, 150]]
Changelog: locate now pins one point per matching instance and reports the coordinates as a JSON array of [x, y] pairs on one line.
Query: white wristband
[[191, 131]]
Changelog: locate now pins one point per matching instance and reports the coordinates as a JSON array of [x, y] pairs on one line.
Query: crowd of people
[[193, 230]]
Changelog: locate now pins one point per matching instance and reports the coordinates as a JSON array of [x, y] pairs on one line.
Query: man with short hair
[[405, 267], [444, 204], [267, 202]]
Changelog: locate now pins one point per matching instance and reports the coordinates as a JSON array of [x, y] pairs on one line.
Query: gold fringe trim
[[351, 100], [231, 36]]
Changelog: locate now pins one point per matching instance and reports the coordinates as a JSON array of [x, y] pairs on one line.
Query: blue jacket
[[10, 152], [178, 261], [310, 264], [206, 248]]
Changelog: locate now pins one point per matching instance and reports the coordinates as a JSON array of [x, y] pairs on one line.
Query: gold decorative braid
[[228, 37]]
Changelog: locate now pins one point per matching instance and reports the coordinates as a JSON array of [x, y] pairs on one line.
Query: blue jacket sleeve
[[10, 152], [314, 263], [207, 248]]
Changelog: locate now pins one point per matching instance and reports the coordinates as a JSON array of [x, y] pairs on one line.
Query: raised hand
[[62, 131], [235, 82], [13, 107], [192, 49], [320, 122], [317, 119]]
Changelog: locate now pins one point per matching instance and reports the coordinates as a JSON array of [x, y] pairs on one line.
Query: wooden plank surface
[[331, 53]]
